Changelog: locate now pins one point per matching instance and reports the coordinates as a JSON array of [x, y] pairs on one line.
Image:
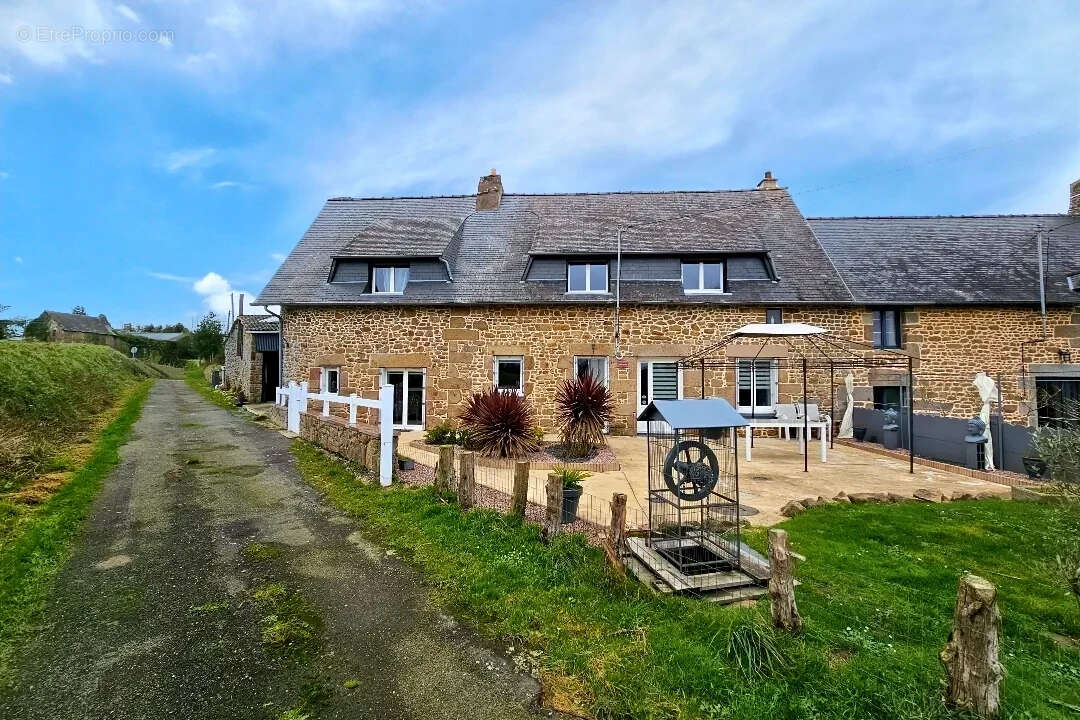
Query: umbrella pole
[[806, 423]]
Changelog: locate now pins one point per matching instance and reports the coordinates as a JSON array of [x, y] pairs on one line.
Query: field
[[877, 594]]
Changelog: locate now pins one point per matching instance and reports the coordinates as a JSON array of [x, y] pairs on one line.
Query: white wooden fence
[[295, 397]]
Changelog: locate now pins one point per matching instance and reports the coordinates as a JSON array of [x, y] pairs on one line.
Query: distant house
[[72, 328]]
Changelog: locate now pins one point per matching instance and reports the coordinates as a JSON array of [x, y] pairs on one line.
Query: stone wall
[[243, 371], [357, 443], [457, 346]]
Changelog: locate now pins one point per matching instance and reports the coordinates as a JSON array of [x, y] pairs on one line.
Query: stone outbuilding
[[252, 357]]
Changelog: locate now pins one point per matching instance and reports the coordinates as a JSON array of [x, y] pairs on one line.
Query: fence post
[[971, 655], [466, 480], [296, 397], [553, 506], [785, 614], [520, 496], [444, 469], [616, 533], [386, 435], [352, 410]]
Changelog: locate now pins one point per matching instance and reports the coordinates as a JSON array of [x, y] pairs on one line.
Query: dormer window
[[389, 279], [587, 278], [703, 277]]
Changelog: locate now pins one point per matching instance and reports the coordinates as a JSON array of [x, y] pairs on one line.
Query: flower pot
[[570, 499], [859, 433], [1036, 467], [405, 463]]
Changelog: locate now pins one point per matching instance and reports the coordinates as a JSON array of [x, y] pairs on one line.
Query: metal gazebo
[[803, 348]]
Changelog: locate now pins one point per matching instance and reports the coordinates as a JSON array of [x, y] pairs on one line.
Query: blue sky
[[156, 155]]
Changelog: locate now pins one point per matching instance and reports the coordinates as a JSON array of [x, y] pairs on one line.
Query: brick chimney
[[1074, 198], [768, 182], [489, 192]]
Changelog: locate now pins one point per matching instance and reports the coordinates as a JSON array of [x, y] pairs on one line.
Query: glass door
[[657, 380], [408, 397]]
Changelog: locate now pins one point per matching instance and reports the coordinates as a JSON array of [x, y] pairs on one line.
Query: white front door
[[657, 380]]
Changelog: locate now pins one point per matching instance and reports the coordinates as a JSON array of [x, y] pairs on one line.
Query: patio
[[772, 479], [775, 476]]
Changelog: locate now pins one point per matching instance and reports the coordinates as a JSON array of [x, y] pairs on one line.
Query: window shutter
[[314, 379], [342, 381]]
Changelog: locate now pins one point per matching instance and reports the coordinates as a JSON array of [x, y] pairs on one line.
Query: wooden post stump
[[616, 534], [520, 496], [444, 469], [466, 480], [971, 655], [553, 506], [785, 615]]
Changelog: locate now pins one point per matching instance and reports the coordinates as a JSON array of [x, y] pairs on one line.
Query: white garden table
[[821, 425]]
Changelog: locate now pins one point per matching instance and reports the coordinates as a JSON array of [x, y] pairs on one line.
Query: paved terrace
[[769, 481]]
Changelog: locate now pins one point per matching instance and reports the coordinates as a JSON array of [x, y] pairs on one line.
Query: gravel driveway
[[153, 617]]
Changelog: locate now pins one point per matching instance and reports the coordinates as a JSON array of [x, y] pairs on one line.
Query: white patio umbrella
[[987, 393]]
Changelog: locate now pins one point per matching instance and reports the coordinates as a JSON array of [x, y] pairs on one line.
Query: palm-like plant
[[583, 407], [499, 424]]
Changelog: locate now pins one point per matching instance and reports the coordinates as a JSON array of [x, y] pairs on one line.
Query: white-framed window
[[774, 316], [587, 278], [509, 373], [594, 365], [757, 386], [703, 277], [329, 380], [389, 279], [410, 396]]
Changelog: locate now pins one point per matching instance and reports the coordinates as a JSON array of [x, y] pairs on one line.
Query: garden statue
[[987, 393], [976, 431], [846, 426], [891, 419]]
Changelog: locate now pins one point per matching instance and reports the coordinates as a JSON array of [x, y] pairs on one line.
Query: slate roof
[[80, 323], [952, 259], [487, 252], [158, 336], [256, 323]]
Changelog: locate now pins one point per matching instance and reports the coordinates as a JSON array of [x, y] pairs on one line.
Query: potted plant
[[571, 491], [1036, 467], [859, 433]]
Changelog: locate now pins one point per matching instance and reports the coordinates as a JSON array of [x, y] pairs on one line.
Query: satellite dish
[[134, 350]]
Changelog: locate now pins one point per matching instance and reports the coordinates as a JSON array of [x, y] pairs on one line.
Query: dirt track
[[154, 617]]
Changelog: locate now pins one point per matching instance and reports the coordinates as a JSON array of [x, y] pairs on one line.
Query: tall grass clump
[[50, 392], [583, 407], [499, 424]]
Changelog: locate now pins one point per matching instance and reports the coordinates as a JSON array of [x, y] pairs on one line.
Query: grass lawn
[[196, 380], [877, 597], [36, 540]]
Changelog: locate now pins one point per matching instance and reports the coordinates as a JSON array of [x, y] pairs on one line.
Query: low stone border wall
[[1002, 477], [923, 495], [359, 443]]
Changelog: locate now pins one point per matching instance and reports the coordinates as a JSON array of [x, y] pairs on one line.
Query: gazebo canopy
[[777, 330]]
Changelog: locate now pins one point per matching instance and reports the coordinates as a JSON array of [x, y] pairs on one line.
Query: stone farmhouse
[[441, 296]]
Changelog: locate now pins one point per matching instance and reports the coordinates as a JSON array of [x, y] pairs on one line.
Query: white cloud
[[127, 12], [170, 276], [228, 184], [278, 257], [6, 78], [28, 24], [4, 175], [191, 158], [18, 260]]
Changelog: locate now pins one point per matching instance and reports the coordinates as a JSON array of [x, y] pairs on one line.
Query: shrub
[[445, 434], [499, 424], [1060, 447], [583, 406], [571, 477]]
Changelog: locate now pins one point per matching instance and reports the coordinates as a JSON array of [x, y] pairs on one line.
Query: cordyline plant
[[499, 424], [583, 406]]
